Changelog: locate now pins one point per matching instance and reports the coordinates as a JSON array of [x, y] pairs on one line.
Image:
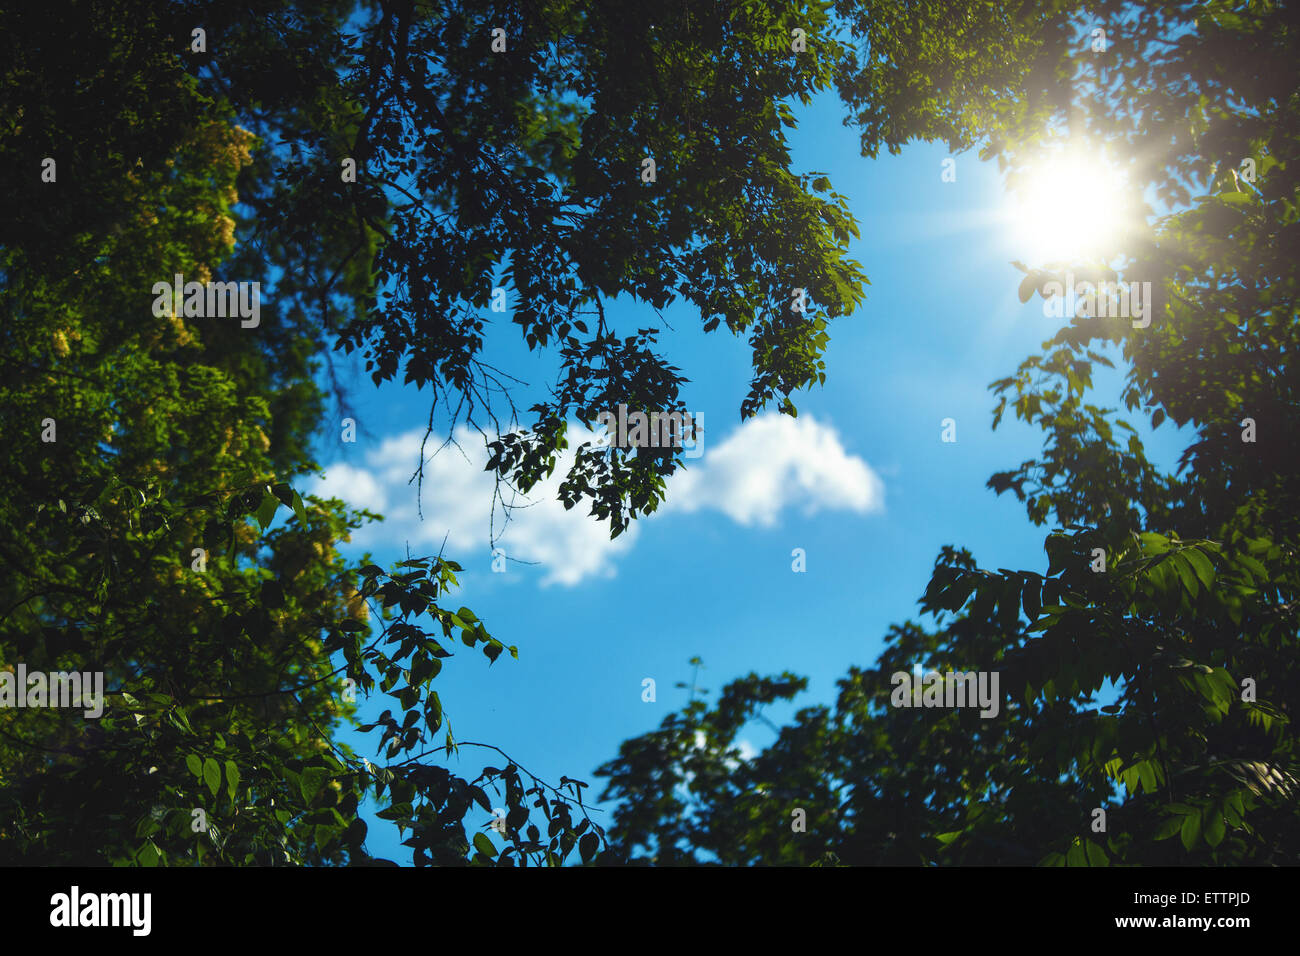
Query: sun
[[1068, 208]]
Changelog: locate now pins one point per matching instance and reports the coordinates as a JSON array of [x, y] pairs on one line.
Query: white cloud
[[769, 463], [456, 502], [773, 462], [356, 486]]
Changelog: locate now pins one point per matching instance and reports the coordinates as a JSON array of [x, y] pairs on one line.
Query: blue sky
[[861, 481]]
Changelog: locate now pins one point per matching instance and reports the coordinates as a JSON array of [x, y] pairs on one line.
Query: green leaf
[[232, 778], [1201, 565], [1027, 287], [1129, 777], [1169, 827], [484, 845], [212, 775], [1033, 598], [1253, 566], [1153, 543], [299, 509], [195, 764], [1191, 829], [1185, 574], [310, 782], [1214, 828], [480, 797], [1096, 855], [266, 510], [1231, 816]]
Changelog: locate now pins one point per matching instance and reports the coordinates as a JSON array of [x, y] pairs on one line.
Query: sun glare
[[1068, 208]]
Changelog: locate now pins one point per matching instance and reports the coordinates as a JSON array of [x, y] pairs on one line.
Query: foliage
[[159, 538], [1198, 596]]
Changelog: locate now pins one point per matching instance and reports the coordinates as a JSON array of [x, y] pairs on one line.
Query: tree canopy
[[380, 170], [1148, 673]]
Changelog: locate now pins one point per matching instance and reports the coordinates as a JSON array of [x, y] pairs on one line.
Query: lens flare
[[1068, 208]]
